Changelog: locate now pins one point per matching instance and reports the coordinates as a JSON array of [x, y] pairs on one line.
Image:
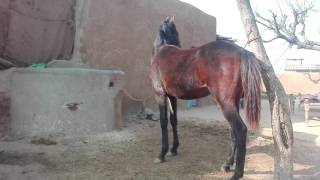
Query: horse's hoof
[[234, 178], [225, 168], [172, 153], [158, 161]]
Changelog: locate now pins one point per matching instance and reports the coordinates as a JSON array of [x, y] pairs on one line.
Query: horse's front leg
[[174, 123], [164, 130]]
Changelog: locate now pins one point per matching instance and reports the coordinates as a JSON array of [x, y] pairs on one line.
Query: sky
[[229, 24]]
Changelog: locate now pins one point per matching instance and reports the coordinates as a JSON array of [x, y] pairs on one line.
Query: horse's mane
[[223, 38], [169, 39]]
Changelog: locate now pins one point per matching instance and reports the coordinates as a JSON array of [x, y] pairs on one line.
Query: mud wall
[[113, 34], [118, 34], [300, 82], [35, 31]]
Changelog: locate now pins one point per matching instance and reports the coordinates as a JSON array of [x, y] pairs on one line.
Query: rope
[[125, 92]]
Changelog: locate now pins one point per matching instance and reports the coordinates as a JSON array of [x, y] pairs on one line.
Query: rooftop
[[298, 65]]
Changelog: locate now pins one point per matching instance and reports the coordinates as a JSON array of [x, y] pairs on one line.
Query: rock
[[43, 141]]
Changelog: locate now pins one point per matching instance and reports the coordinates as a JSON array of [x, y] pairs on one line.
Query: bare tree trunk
[[281, 120]]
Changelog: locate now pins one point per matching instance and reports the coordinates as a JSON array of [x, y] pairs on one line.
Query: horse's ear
[[172, 19], [168, 18]]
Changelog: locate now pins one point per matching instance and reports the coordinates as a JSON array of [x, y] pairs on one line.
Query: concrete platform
[[64, 101]]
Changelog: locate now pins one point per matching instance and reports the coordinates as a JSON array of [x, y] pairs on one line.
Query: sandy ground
[[129, 154]]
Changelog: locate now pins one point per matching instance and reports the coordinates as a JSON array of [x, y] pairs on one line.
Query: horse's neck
[[160, 41]]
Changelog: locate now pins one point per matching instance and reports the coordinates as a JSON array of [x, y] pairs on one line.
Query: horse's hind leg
[[174, 123], [240, 132], [164, 129], [229, 162]]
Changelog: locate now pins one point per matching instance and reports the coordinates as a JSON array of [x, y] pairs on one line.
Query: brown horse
[[221, 68]]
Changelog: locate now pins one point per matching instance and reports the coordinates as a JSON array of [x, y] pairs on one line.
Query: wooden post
[[306, 111]]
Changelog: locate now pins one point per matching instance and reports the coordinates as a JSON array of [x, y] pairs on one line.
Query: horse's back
[[219, 47], [188, 73]]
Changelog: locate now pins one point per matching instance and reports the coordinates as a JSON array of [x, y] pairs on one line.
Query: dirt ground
[[129, 155]]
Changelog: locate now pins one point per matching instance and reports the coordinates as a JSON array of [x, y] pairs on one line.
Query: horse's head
[[168, 34]]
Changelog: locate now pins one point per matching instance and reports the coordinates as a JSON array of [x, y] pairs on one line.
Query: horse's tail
[[251, 79]]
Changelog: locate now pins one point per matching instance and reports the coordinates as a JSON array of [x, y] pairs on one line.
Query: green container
[[39, 65]]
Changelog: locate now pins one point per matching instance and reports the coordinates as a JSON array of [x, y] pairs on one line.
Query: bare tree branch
[[316, 81], [294, 31], [265, 25], [272, 39]]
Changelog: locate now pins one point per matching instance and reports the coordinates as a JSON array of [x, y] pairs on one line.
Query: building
[[300, 76]]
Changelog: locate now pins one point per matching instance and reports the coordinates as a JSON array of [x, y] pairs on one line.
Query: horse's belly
[[190, 94], [197, 93], [185, 86]]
